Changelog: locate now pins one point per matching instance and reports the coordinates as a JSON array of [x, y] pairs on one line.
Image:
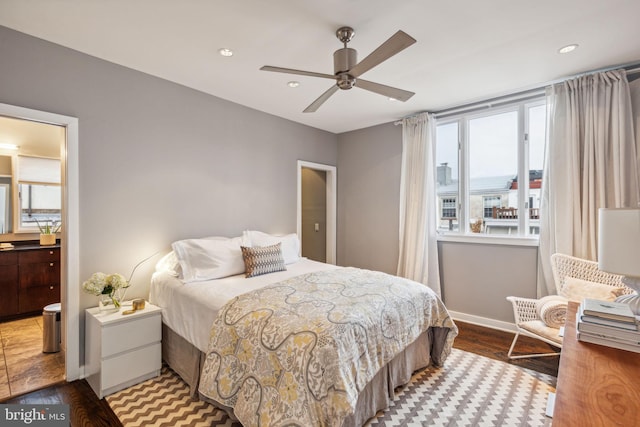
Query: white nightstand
[[122, 350]]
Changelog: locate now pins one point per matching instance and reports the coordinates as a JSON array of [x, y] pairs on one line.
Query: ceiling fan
[[347, 69]]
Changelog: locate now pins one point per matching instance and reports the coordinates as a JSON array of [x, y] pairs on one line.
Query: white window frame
[[464, 234]]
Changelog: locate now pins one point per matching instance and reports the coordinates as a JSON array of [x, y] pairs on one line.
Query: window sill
[[489, 240]]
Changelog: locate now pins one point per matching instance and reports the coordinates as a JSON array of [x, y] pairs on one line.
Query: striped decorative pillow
[[262, 259]]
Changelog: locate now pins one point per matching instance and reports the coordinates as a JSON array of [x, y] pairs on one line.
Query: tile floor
[[23, 365]]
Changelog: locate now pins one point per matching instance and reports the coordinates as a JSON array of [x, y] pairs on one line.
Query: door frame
[[332, 179], [70, 233]]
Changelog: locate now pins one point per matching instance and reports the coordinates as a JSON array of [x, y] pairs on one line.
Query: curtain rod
[[519, 96]]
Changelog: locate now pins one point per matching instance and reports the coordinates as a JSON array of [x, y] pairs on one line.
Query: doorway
[[31, 151], [69, 236], [317, 211], [314, 214]]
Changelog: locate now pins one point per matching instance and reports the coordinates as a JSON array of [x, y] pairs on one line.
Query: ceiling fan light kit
[[225, 52], [347, 69]]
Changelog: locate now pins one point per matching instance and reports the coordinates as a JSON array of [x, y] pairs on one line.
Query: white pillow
[[206, 259], [169, 264], [577, 289], [290, 243]]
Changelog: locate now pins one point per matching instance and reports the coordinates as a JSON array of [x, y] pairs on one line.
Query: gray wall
[[158, 161], [476, 278], [369, 163]]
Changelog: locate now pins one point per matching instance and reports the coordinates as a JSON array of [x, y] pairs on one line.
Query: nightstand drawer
[[133, 364], [122, 336]]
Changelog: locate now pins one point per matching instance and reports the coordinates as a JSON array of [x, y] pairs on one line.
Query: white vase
[[108, 304]]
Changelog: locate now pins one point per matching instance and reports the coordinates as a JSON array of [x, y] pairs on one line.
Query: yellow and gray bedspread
[[298, 352]]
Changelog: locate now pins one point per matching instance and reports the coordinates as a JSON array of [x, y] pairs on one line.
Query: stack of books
[[608, 323]]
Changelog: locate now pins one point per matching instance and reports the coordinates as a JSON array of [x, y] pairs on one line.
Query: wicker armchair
[[524, 309]]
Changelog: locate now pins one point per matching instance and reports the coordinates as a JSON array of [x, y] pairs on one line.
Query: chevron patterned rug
[[470, 390]]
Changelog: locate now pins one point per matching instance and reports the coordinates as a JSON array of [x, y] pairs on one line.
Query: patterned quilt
[[298, 352]]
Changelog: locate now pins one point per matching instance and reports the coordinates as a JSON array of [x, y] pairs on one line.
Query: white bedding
[[189, 309]]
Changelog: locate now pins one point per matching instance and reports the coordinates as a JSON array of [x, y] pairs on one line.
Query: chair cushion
[[539, 328], [575, 289]]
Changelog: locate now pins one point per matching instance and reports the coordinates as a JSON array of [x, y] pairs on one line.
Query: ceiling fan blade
[[391, 92], [395, 44], [321, 100], [300, 72]]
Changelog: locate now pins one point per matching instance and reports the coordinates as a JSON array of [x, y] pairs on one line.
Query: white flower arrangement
[[106, 284], [111, 285]]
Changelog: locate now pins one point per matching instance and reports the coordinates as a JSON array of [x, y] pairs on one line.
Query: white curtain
[[418, 258], [590, 163]]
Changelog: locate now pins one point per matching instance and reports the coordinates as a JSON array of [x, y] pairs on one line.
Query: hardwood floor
[[87, 410], [495, 344]]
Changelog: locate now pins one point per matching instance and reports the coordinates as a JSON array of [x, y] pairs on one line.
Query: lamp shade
[[619, 241]]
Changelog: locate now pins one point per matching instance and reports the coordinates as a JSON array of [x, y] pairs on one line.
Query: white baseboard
[[483, 321]]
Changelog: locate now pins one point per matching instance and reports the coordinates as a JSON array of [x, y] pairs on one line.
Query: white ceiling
[[467, 49]]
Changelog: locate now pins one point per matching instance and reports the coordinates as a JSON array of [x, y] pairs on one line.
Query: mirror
[[39, 204], [37, 140], [5, 208], [5, 194]]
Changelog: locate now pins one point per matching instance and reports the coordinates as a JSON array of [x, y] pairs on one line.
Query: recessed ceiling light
[[392, 99], [225, 52], [293, 83], [8, 146], [568, 48]]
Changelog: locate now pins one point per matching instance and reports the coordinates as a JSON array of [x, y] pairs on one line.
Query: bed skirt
[[187, 361]]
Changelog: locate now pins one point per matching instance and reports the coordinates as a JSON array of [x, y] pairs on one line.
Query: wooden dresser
[[29, 279], [597, 385]]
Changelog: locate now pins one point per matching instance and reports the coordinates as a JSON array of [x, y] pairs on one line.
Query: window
[[447, 179], [449, 208], [448, 212], [490, 168], [39, 191], [490, 202]]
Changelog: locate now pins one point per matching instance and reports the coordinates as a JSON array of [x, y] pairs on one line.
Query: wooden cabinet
[[8, 283], [29, 280], [122, 350], [39, 278]]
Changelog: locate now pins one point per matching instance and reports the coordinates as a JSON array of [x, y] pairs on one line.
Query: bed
[[309, 344]]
